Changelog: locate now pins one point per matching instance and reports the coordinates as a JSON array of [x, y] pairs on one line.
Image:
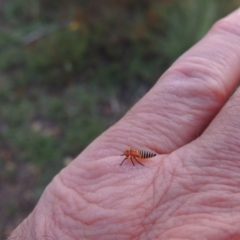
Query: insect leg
[[123, 161], [138, 161], [132, 161]]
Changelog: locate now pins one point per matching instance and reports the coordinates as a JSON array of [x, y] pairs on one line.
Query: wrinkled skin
[[190, 190]]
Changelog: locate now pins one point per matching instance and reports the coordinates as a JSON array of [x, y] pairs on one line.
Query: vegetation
[[69, 69]]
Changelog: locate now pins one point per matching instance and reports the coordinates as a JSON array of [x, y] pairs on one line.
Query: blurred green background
[[70, 69]]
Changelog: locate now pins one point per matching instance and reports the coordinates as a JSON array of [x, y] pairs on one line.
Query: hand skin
[[190, 190]]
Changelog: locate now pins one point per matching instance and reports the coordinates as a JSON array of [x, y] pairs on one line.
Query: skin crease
[[190, 190]]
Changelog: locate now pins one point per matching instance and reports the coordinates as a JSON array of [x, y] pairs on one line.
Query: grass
[[68, 70]]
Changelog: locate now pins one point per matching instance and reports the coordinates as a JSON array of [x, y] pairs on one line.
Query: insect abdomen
[[146, 154]]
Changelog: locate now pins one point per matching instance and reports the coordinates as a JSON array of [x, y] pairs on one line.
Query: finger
[[185, 99], [220, 142]]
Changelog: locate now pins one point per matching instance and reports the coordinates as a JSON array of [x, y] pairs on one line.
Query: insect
[[136, 154]]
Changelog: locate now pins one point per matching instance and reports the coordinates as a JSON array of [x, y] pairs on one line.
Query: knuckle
[[196, 82], [227, 26]]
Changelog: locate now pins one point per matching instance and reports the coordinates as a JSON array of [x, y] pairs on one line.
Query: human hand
[[190, 190]]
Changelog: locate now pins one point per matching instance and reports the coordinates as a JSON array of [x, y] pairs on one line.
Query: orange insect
[[136, 154]]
